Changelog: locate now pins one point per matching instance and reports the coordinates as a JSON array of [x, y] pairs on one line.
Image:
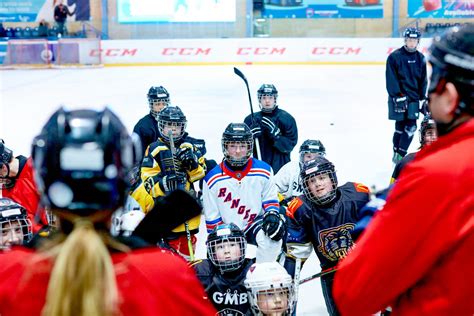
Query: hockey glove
[[187, 158], [424, 107], [173, 182], [400, 104], [256, 130], [269, 126], [274, 225]]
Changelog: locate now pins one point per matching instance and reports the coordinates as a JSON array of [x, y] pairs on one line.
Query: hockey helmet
[[172, 119], [311, 146], [15, 227], [266, 282], [226, 246], [82, 158], [426, 125], [6, 156], [314, 174], [412, 32], [267, 90], [235, 134], [156, 95]]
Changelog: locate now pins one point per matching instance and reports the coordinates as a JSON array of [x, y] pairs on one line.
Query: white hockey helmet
[[269, 281]]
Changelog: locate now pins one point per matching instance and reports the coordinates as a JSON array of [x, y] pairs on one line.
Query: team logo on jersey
[[229, 312], [230, 298], [361, 188], [235, 204], [336, 242]]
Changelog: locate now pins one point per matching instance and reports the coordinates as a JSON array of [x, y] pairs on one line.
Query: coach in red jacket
[[416, 254]]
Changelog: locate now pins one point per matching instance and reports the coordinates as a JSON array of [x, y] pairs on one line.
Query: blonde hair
[[82, 280]]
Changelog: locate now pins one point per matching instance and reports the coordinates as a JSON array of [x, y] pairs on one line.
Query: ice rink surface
[[343, 106]]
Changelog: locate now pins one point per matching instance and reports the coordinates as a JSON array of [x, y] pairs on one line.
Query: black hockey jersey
[[226, 291], [329, 228], [276, 151]]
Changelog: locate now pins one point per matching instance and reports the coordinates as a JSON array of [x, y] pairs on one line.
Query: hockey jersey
[[226, 291], [238, 196], [288, 180]]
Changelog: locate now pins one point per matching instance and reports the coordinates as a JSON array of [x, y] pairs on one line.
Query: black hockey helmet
[[237, 133], [6, 156], [157, 94], [231, 234], [310, 171], [427, 124], [82, 158], [451, 56], [267, 90], [172, 116], [412, 32], [13, 217], [313, 146]]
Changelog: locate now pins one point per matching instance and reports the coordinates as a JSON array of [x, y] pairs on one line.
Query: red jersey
[[150, 282], [25, 193], [416, 254]]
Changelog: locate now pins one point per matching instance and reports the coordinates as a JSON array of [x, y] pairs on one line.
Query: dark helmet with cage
[[319, 181], [267, 90], [226, 246], [157, 96], [6, 156], [310, 149], [171, 120], [81, 160], [411, 33], [451, 56], [270, 280], [426, 126], [237, 136], [15, 227]]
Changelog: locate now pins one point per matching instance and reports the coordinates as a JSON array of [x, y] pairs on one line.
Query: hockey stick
[[186, 225], [296, 280], [318, 275], [242, 76]]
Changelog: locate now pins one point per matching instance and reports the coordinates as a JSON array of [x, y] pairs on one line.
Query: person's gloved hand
[[173, 182], [187, 158], [274, 225], [400, 104], [256, 129], [270, 127]]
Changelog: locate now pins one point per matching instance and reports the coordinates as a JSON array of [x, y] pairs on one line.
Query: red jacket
[[26, 194], [417, 253], [149, 281]]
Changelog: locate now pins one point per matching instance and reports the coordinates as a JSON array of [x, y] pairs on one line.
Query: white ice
[[343, 106]]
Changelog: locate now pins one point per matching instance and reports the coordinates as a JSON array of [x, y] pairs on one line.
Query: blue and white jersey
[[238, 196]]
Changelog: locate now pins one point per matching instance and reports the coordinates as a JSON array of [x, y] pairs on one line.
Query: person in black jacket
[[223, 273], [60, 15], [323, 218], [274, 128], [406, 82]]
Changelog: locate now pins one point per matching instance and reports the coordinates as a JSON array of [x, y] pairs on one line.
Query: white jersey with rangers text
[[238, 196]]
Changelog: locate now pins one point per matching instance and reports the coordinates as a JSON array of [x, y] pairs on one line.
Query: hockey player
[[416, 254], [163, 171], [288, 178], [82, 158], [223, 272], [15, 226], [275, 128], [147, 127], [241, 190], [428, 135], [406, 82], [324, 217], [17, 183], [270, 289]]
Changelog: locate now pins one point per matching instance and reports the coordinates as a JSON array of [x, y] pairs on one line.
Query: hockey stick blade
[[318, 275], [240, 74]]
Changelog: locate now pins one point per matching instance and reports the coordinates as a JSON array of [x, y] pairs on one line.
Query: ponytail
[[82, 281]]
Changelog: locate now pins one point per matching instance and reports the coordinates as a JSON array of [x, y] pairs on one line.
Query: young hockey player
[[288, 178], [223, 272], [270, 289], [82, 158], [15, 226], [275, 129], [323, 217], [241, 190], [163, 171]]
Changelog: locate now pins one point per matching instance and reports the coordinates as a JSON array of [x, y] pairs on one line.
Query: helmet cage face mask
[[412, 33], [15, 226], [233, 160], [237, 136], [267, 90], [311, 147], [157, 96], [172, 118], [226, 243], [428, 124], [309, 184]]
